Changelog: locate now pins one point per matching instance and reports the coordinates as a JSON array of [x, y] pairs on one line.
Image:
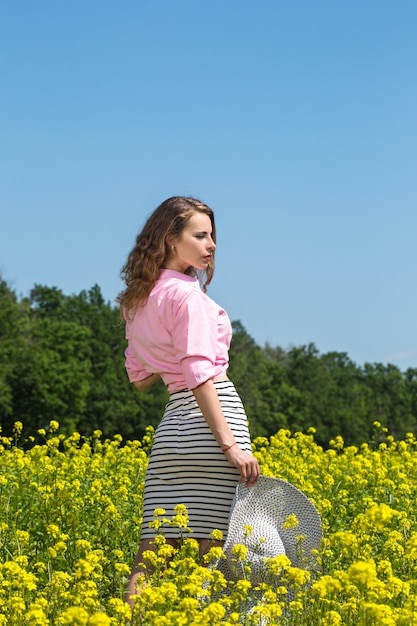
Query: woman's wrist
[[228, 447]]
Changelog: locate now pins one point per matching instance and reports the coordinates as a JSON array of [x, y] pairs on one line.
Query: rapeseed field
[[70, 525]]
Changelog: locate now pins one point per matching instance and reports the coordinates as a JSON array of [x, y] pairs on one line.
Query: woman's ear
[[169, 240]]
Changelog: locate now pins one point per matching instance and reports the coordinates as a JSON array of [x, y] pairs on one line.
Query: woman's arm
[[209, 403], [143, 385]]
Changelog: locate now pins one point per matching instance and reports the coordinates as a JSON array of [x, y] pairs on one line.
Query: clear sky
[[295, 120]]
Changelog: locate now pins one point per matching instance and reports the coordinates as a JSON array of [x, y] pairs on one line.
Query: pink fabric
[[180, 334]]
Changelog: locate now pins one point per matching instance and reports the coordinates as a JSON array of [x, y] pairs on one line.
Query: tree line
[[62, 358]]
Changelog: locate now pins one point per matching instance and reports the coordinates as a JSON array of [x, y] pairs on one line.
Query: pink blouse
[[180, 334]]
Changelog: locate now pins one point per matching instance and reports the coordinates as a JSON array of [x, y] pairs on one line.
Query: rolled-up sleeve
[[195, 328]]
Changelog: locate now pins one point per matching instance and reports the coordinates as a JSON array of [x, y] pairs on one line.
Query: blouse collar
[[164, 274]]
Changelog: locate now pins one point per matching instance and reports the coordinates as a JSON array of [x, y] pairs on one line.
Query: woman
[[177, 333]]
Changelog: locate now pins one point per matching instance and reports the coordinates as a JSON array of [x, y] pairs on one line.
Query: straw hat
[[265, 507]]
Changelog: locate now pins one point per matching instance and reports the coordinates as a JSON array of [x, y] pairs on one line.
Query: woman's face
[[194, 247]]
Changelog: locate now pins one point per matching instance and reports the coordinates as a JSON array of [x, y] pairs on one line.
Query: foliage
[[70, 524], [64, 358], [61, 358]]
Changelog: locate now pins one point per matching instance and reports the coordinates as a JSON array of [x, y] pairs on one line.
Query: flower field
[[70, 526]]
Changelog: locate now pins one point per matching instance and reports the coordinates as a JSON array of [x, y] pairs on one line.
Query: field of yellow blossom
[[70, 525]]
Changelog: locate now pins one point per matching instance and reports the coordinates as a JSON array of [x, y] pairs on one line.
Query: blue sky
[[295, 121]]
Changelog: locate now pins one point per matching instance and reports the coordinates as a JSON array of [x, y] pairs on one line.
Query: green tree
[[350, 396], [51, 369], [13, 320], [289, 403], [252, 375], [390, 401], [334, 396], [410, 378]]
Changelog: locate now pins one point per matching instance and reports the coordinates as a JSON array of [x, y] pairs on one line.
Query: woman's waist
[[189, 393]]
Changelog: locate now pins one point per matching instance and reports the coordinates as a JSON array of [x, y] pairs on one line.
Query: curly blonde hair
[[151, 251]]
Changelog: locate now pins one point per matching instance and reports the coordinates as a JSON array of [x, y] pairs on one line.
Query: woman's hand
[[247, 465]]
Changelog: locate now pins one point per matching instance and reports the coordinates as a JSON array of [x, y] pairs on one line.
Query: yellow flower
[[99, 619], [379, 515], [52, 553], [332, 618], [277, 564], [216, 535], [214, 612], [327, 586], [189, 605], [17, 606], [17, 428], [269, 596], [247, 531], [290, 522], [150, 557], [53, 530], [362, 572], [36, 614], [159, 541], [379, 614], [74, 616], [22, 536], [239, 552], [60, 580], [180, 520], [337, 443], [159, 512], [215, 552], [243, 586], [117, 553], [297, 576], [122, 568], [411, 552], [119, 609], [166, 551]]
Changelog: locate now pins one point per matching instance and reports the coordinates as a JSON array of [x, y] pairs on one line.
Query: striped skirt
[[188, 467]]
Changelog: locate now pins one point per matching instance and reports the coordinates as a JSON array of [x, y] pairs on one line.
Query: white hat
[[265, 507]]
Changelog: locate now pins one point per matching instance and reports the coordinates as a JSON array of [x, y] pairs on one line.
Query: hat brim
[[265, 508]]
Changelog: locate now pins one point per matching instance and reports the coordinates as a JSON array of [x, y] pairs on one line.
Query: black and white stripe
[[188, 467]]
